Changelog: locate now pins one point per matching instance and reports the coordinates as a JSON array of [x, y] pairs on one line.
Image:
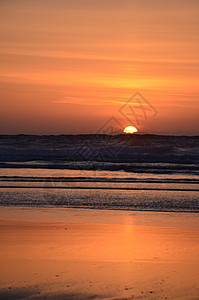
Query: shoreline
[[182, 219], [90, 208]]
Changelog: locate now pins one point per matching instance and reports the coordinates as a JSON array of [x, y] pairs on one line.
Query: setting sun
[[130, 129]]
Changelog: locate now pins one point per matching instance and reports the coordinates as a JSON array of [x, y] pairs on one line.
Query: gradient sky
[[68, 66]]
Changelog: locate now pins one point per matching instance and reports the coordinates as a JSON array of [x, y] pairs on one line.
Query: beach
[[99, 150], [64, 253], [119, 225]]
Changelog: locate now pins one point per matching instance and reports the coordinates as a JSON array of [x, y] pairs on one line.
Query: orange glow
[[111, 255], [130, 129], [68, 67]]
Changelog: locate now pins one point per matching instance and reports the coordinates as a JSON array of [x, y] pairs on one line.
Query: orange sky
[[68, 66]]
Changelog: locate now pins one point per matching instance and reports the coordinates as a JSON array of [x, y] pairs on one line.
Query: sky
[[70, 67]]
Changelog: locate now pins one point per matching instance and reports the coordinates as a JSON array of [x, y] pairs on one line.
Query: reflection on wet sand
[[65, 260]]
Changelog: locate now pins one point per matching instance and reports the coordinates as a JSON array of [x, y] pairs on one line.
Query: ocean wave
[[100, 148], [95, 179], [178, 201]]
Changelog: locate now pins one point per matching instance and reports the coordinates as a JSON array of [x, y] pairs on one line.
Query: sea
[[97, 171]]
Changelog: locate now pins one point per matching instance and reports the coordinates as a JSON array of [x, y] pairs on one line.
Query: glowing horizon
[[67, 67]]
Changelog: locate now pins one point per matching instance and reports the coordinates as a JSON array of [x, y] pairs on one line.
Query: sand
[[91, 254]]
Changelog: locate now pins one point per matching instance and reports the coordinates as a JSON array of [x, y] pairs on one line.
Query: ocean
[[123, 172]]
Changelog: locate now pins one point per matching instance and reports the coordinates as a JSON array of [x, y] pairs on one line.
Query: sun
[[130, 129]]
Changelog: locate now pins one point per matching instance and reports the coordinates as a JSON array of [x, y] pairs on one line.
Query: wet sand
[[90, 254]]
